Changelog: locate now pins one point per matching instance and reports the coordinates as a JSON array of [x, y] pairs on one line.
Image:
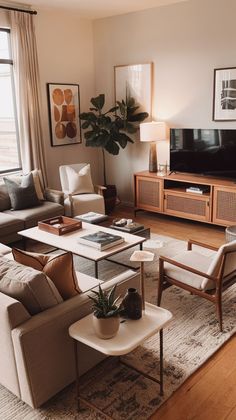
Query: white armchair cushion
[[79, 182], [194, 260], [83, 203], [230, 263]]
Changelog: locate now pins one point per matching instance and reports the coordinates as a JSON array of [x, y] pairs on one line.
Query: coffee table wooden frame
[[130, 335]]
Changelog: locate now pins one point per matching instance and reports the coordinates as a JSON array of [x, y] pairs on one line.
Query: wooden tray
[[60, 225]]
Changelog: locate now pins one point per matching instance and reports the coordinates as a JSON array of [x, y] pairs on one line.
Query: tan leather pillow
[[59, 268], [32, 288]]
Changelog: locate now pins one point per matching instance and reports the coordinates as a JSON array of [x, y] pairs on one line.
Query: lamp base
[[153, 157]]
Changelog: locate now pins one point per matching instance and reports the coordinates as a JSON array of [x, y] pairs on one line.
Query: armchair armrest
[[184, 267], [100, 189], [203, 245], [54, 196]]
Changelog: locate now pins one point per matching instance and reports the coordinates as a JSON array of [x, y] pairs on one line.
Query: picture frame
[[224, 94], [64, 111], [135, 80]]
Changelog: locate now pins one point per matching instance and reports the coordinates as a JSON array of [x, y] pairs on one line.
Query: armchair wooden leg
[[219, 308], [160, 282]]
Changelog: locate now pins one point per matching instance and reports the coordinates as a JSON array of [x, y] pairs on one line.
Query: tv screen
[[199, 151]]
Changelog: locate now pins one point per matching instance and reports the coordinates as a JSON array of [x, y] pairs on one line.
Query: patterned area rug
[[191, 338]]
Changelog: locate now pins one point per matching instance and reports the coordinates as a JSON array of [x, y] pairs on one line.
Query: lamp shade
[[152, 131]]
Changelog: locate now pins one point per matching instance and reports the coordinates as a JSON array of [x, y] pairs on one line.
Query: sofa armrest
[[12, 313], [55, 196], [44, 350]]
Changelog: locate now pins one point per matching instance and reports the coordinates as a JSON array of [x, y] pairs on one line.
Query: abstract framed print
[[64, 110]]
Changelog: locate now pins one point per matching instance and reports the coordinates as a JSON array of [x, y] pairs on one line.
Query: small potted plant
[[106, 312]]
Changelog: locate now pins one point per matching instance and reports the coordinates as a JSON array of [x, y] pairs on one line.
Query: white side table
[[131, 334]]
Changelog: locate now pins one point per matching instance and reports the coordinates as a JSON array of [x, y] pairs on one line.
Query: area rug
[[191, 338]]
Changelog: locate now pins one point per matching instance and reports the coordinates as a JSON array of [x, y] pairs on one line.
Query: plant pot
[[106, 327], [110, 197]]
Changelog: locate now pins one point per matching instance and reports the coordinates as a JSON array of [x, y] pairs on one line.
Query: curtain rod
[[31, 12]]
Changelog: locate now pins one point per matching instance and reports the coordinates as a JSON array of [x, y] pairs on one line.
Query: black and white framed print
[[224, 97]]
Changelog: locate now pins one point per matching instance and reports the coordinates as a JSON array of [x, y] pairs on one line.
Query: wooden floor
[[210, 393]]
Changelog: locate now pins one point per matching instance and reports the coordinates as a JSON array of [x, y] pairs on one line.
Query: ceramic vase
[[132, 304], [106, 327]]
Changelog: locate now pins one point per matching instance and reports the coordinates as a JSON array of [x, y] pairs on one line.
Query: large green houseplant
[[111, 130]]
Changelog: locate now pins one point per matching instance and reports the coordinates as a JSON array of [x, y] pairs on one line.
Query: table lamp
[[152, 132]]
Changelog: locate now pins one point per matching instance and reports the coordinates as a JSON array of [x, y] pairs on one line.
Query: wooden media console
[[167, 195]]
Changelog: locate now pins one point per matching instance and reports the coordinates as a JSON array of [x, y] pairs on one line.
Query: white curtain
[[28, 99]]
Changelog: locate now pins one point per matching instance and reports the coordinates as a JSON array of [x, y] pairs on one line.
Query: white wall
[[65, 52], [185, 41]]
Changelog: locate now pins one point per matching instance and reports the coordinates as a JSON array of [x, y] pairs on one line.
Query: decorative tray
[[60, 225]]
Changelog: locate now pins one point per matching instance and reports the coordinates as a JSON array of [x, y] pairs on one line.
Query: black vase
[[132, 304]]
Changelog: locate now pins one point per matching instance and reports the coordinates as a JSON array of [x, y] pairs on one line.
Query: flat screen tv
[[207, 152]]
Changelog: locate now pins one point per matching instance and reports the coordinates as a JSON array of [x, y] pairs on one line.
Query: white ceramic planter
[[106, 327]]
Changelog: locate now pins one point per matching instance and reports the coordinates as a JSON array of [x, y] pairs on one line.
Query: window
[[9, 145]]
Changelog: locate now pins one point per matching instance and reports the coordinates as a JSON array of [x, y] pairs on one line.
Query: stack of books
[[129, 228], [197, 190], [92, 217], [101, 240]]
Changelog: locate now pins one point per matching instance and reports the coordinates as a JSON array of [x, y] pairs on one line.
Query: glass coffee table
[[131, 334]]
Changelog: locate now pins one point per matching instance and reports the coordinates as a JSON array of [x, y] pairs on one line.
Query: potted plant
[[111, 131], [106, 312]]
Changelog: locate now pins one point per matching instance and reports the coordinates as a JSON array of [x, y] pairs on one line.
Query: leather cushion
[[59, 268]]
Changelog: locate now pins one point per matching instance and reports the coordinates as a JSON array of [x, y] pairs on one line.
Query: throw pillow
[[79, 182], [59, 268], [24, 195], [38, 184], [32, 288]]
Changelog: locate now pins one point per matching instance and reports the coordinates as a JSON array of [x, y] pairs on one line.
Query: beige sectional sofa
[[12, 221], [36, 352]]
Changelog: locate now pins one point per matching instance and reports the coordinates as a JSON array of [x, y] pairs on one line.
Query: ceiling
[[95, 9]]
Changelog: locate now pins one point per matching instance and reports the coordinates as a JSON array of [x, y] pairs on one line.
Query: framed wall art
[[135, 81], [64, 110], [224, 97]]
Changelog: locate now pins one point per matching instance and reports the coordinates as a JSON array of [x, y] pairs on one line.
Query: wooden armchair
[[199, 274]]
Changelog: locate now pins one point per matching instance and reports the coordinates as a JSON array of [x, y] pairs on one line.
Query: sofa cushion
[[59, 268], [37, 179], [86, 282], [79, 182], [24, 195], [9, 224], [31, 287], [31, 216]]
